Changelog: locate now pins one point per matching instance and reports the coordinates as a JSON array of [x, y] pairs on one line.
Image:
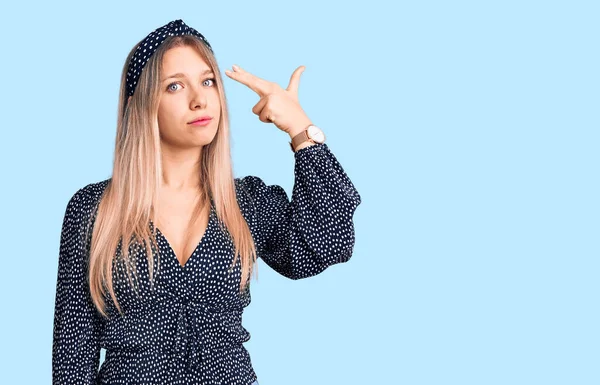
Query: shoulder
[[246, 189], [256, 187], [249, 184], [87, 197], [95, 190], [253, 192]]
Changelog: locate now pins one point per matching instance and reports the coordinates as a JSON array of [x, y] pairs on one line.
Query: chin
[[201, 142]]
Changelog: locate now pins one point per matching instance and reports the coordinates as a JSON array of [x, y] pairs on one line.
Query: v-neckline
[[198, 245]]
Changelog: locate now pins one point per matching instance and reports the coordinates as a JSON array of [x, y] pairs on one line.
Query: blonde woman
[[155, 262]]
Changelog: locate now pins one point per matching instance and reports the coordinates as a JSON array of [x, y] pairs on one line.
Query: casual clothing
[[187, 328]]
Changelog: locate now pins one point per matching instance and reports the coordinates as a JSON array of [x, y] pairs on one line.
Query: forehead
[[183, 59]]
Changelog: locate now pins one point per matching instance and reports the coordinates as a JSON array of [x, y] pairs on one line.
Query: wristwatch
[[311, 133]]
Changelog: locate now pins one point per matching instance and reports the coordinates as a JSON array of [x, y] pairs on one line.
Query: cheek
[[162, 111], [166, 113], [215, 99], [217, 109]]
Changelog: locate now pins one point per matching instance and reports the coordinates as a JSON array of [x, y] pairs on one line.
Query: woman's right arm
[[76, 335]]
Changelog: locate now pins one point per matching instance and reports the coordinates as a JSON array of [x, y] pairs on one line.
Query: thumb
[[295, 80]]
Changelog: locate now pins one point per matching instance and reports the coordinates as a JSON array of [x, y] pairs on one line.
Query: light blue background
[[469, 128]]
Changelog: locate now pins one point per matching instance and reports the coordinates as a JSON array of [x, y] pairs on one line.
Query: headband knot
[[149, 45]]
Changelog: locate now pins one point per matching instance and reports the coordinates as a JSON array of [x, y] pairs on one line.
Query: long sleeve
[[76, 346], [314, 230]]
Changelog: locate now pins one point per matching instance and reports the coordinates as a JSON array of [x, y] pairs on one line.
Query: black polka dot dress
[[187, 327]]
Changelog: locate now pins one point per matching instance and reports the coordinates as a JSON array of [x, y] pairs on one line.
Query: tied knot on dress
[[194, 319], [187, 340]]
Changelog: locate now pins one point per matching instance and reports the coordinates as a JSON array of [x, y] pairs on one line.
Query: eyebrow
[[182, 75]]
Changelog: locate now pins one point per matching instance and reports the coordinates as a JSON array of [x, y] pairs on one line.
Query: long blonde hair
[[131, 196]]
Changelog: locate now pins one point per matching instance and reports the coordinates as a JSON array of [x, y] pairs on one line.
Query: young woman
[[155, 262]]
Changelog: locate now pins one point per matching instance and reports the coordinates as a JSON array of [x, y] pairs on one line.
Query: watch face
[[316, 134]]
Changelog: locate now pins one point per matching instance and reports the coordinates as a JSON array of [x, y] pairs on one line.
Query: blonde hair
[[128, 203]]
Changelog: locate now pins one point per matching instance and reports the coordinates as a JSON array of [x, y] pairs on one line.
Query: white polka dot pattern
[[149, 45], [187, 327]]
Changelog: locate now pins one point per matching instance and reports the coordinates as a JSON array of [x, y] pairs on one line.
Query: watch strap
[[301, 138]]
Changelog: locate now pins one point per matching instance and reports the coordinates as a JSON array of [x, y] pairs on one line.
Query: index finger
[[256, 84]]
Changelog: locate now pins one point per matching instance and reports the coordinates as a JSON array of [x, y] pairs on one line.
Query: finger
[[256, 84], [260, 105], [266, 116], [295, 80]]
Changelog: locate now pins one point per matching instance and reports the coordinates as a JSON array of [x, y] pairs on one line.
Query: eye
[[213, 80], [169, 89]]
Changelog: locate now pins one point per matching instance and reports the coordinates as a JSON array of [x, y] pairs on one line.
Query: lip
[[202, 119], [198, 123]]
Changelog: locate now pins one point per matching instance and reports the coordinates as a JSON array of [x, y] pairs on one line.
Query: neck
[[181, 170]]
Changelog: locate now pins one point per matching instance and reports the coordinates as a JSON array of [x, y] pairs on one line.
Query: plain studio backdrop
[[469, 128]]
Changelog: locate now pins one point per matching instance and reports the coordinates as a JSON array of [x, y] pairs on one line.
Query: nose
[[198, 99]]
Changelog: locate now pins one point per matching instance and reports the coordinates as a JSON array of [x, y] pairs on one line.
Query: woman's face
[[188, 92]]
